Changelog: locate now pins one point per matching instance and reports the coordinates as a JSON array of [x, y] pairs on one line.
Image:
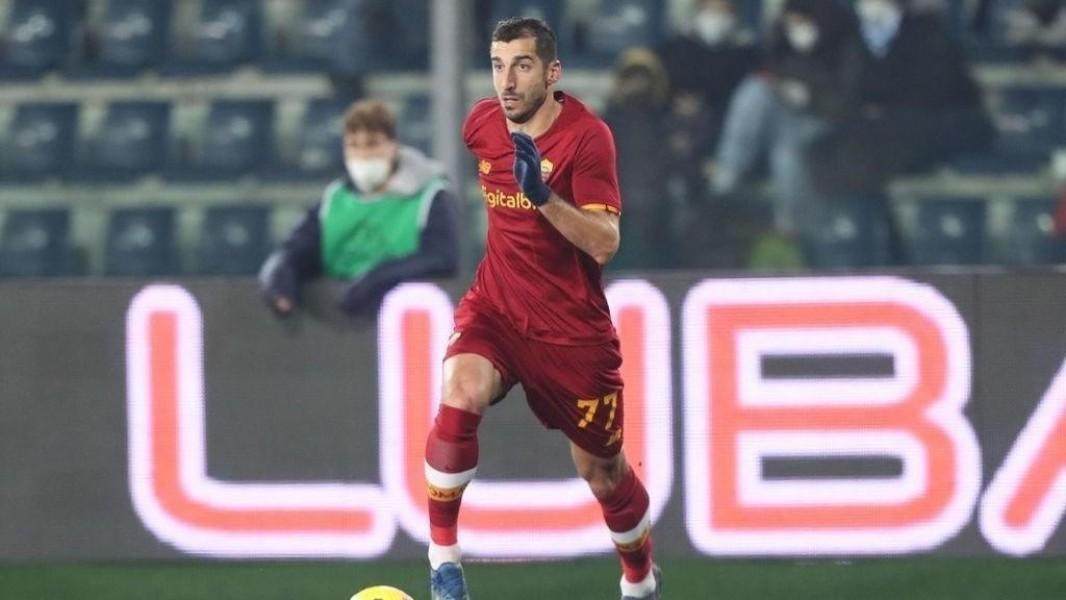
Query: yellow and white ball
[[381, 592]]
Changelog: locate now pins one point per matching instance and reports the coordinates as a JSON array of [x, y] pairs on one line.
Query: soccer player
[[536, 313]]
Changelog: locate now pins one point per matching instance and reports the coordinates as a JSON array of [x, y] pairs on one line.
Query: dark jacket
[[299, 259], [831, 68]]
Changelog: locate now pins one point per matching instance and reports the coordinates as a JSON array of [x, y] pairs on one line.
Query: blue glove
[[527, 169]]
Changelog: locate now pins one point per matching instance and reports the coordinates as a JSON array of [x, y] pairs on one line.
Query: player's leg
[[471, 382], [624, 501]]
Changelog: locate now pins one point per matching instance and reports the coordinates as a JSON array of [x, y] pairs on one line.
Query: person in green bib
[[390, 218]]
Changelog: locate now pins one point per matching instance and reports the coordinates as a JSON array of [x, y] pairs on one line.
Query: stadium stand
[[948, 231], [36, 243], [1031, 238], [223, 35], [237, 139], [188, 104], [131, 35], [235, 240], [39, 35], [41, 140], [852, 235], [141, 242], [319, 139], [131, 141]]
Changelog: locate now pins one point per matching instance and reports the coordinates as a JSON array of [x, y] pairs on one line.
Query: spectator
[[705, 63], [637, 112], [919, 104], [387, 220], [802, 91]]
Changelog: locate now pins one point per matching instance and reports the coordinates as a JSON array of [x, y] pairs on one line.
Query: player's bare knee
[[466, 393]]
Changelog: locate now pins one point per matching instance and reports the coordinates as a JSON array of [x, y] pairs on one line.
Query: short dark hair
[[514, 28]]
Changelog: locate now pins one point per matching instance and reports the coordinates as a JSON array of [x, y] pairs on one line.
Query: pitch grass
[[593, 579]]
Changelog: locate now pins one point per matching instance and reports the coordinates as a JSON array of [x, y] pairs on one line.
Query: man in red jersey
[[536, 313]]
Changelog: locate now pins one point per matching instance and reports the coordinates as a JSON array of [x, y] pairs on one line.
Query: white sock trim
[[624, 538], [448, 481], [438, 555], [639, 589]]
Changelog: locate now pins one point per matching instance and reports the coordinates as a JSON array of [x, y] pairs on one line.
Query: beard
[[527, 108]]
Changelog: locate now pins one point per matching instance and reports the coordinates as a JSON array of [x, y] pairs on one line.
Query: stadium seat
[[616, 26], [226, 33], [133, 34], [1031, 239], [415, 124], [41, 140], [38, 35], [320, 137], [948, 231], [141, 242], [549, 10], [1030, 120], [324, 37], [131, 141], [36, 243], [235, 240], [850, 233], [238, 138]]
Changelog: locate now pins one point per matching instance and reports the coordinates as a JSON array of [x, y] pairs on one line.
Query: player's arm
[[592, 230]]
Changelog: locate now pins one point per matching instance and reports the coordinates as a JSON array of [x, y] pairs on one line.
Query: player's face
[[521, 78]]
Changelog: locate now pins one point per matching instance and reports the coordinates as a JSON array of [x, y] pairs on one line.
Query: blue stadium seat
[[141, 242], [132, 140], [319, 140], [38, 35], [41, 140], [36, 243], [1031, 239], [1030, 120], [415, 122], [235, 240], [549, 10], [617, 26], [850, 233], [227, 33], [133, 34], [948, 231], [325, 37], [238, 138]]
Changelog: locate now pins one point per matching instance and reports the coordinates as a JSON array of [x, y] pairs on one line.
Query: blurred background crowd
[[169, 137]]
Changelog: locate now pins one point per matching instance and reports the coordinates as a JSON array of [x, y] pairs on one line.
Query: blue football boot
[[448, 583]]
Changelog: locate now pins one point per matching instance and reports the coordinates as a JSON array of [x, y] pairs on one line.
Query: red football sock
[[451, 461], [626, 514]]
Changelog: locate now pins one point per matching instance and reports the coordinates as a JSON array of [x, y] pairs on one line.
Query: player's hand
[[282, 305], [527, 169]]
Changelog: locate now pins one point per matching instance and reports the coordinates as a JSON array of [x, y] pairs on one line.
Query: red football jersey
[[545, 286]]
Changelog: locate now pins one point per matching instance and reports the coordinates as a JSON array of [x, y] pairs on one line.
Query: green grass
[[594, 579]]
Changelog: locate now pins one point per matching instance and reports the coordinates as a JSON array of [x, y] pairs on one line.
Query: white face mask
[[802, 36], [714, 26], [368, 175], [879, 13]]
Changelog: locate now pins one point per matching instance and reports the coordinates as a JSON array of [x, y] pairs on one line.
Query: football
[[381, 592]]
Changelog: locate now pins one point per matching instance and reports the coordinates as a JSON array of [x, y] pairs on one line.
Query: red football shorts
[[576, 389]]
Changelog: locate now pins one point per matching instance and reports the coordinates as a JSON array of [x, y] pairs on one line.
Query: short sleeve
[[595, 179]]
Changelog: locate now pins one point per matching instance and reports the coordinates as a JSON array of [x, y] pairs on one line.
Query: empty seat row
[[139, 242], [944, 231], [237, 137], [123, 36]]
